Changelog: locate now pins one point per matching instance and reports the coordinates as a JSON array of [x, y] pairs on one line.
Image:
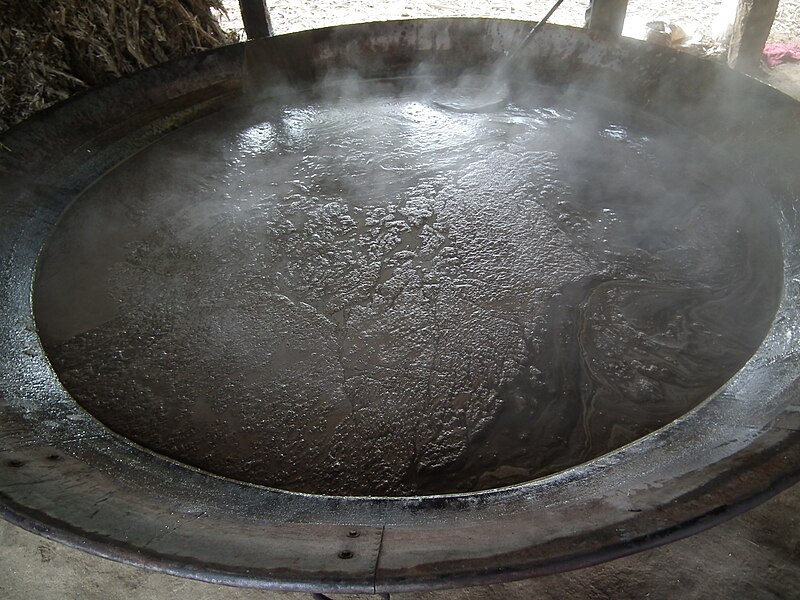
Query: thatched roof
[[49, 50]]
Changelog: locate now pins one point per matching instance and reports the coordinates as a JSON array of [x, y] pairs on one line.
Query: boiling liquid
[[371, 295]]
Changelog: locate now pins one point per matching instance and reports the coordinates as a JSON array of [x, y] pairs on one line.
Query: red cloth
[[776, 54]]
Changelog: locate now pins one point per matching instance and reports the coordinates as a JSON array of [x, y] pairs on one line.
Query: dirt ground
[[697, 16], [701, 19]]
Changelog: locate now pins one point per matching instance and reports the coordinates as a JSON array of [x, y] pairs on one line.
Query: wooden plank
[[607, 15], [751, 29], [255, 17]]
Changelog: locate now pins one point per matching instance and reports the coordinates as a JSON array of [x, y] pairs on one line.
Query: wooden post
[[255, 17], [751, 28], [607, 15]]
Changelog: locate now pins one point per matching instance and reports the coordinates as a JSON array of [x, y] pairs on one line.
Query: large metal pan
[[65, 476]]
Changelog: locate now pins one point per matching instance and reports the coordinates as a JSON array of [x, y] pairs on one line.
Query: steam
[[340, 287]]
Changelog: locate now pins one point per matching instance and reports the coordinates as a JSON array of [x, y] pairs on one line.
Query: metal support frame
[[255, 16]]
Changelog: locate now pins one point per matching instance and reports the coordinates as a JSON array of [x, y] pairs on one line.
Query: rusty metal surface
[[64, 475]]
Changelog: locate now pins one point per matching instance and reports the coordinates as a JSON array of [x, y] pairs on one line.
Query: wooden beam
[[607, 15], [751, 29], [255, 17]]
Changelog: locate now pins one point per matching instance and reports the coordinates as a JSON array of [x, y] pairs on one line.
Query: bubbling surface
[[371, 295]]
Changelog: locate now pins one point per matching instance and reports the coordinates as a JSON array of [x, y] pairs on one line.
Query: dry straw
[[50, 50]]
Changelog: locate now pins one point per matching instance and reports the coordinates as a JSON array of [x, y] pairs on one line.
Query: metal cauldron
[[65, 476]]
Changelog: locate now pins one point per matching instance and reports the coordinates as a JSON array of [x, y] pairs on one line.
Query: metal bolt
[[345, 554], [353, 533]]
